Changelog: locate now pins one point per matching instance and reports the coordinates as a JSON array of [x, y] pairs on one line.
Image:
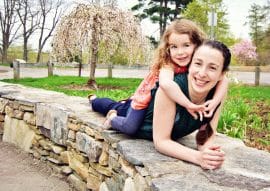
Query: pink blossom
[[244, 51]]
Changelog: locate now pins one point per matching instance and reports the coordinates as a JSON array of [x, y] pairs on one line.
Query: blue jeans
[[104, 105], [128, 120]]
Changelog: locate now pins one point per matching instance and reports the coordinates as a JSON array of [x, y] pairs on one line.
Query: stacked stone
[[61, 130], [3, 103], [72, 147]]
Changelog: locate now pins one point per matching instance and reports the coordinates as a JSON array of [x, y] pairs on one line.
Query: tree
[[9, 26], [264, 44], [48, 8], [256, 20], [198, 11], [264, 52], [28, 16], [245, 52], [96, 29], [160, 11]]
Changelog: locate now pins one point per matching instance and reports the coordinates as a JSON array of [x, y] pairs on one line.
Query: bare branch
[[9, 26], [48, 7]]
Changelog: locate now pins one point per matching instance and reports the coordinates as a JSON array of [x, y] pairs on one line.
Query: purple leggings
[[128, 120]]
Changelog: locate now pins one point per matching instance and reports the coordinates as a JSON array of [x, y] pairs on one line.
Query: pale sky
[[237, 14]]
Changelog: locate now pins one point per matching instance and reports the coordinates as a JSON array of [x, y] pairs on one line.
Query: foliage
[[245, 52], [104, 30], [198, 11], [160, 12], [233, 118], [16, 52], [256, 20]]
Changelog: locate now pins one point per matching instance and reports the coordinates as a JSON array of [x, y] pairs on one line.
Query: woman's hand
[[211, 157]]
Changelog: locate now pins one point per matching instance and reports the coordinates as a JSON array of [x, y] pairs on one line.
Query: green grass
[[250, 92], [115, 88], [240, 112]]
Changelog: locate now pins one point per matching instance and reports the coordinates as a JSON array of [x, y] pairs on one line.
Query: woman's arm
[[164, 114], [214, 123], [174, 92]]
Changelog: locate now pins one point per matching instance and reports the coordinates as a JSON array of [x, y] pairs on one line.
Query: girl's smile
[[180, 48]]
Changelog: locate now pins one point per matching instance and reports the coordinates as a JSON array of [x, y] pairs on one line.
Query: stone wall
[[64, 132]]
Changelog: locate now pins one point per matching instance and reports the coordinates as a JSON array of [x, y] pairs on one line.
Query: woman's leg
[[129, 124]]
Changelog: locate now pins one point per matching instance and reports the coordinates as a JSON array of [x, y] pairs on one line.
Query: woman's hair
[[223, 49], [179, 26], [206, 131]]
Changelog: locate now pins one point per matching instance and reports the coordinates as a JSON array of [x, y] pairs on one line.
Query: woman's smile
[[200, 82], [205, 69]]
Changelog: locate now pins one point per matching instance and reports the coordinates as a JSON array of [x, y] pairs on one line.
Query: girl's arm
[[221, 91], [174, 92], [164, 114]]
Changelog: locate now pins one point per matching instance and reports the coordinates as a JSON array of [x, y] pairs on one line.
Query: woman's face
[[181, 49], [205, 69]]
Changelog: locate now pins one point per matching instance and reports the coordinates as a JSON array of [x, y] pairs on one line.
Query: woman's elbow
[[158, 144]]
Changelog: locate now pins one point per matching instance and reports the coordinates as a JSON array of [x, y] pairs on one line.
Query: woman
[[172, 57], [168, 121]]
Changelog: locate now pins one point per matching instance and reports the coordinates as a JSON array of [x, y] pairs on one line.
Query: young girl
[[173, 55]]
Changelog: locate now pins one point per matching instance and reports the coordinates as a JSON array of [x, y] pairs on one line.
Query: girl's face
[[205, 69], [181, 49]]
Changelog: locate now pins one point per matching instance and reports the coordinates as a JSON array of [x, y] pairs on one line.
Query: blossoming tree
[[91, 28], [245, 52]]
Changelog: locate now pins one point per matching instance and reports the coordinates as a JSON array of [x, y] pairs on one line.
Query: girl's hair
[[179, 26], [206, 131]]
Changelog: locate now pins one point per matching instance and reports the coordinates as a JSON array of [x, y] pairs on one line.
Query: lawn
[[245, 114]]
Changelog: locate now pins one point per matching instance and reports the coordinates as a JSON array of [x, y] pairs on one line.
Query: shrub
[[245, 52]]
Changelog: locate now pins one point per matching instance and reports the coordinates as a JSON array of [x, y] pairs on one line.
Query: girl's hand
[[210, 107], [211, 157], [196, 110]]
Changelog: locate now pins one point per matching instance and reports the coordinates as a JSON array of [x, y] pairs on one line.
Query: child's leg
[[129, 124], [104, 105]]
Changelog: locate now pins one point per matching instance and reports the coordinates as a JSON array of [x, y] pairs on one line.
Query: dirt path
[[20, 171]]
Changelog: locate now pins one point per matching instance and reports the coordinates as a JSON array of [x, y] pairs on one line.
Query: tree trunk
[[25, 50], [38, 55], [4, 56], [94, 55], [80, 63], [92, 81], [161, 20], [80, 69]]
